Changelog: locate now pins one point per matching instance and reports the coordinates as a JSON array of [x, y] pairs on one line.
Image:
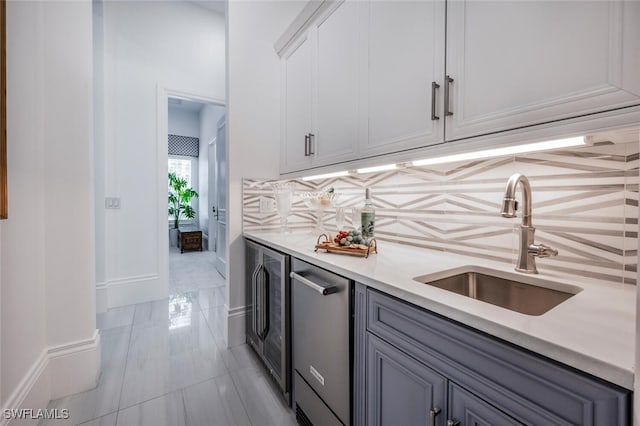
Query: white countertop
[[593, 331]]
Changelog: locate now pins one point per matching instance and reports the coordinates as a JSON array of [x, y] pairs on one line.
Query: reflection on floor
[[164, 362]]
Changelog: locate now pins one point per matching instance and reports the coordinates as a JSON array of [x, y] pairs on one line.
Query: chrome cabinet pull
[[312, 139], [254, 296], [447, 88], [453, 422], [266, 305], [325, 291], [306, 145], [434, 87], [433, 413]]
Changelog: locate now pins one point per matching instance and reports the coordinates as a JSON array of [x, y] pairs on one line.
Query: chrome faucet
[[528, 250]]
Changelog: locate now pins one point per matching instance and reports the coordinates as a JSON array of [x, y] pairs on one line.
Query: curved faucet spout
[[509, 203], [528, 250]]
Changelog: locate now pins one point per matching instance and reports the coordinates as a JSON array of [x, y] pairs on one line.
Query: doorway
[[188, 133]]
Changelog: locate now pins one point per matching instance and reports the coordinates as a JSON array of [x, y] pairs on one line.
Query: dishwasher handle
[[325, 291]]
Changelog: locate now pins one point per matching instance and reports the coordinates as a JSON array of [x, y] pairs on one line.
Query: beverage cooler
[[267, 315]]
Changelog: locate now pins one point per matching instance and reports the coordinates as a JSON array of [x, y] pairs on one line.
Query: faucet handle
[[542, 250]]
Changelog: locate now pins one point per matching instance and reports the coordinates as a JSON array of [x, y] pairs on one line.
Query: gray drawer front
[[315, 410], [529, 388]]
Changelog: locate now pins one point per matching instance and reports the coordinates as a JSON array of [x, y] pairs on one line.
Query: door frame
[[211, 145], [222, 264], [162, 155]]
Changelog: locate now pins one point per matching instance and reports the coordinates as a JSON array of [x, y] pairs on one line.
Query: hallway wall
[[147, 46], [253, 123], [184, 123], [48, 335]]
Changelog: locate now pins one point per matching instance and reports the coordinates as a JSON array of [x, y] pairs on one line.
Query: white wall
[[23, 254], [636, 385], [253, 122], [184, 123], [99, 151], [49, 344], [147, 45], [209, 116]]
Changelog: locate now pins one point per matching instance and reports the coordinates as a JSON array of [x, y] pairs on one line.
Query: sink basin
[[515, 295]]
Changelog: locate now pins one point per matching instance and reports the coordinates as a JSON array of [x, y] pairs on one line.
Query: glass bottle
[[368, 216]]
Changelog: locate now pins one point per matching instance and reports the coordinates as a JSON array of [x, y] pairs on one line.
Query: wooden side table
[[189, 238]]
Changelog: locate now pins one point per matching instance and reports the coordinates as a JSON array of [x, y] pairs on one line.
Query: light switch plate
[[112, 202], [267, 205]]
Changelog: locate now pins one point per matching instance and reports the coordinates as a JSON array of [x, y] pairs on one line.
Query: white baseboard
[[59, 371], [102, 298], [137, 289], [75, 366], [236, 326], [33, 390]]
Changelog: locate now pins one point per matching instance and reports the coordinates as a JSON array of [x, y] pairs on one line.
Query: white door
[[213, 224], [296, 108], [337, 126], [520, 63], [406, 58], [221, 198]]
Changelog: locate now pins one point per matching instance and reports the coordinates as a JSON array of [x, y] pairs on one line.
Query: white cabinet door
[[337, 86], [296, 106], [406, 56], [522, 63]]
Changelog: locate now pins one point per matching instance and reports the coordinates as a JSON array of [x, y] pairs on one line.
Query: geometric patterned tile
[[585, 203]]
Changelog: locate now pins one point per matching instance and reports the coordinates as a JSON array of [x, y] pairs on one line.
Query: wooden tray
[[354, 249]]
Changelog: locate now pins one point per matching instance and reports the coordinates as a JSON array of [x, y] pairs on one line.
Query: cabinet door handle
[[254, 297], [306, 145], [263, 303], [447, 88], [312, 139], [433, 413], [453, 422], [434, 87], [264, 322], [325, 291]]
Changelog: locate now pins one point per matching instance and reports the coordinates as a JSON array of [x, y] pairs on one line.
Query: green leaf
[[179, 198]]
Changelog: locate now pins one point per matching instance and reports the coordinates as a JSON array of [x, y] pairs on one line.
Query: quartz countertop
[[593, 331]]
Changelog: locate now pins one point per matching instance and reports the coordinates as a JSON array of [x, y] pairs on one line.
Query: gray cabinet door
[[400, 390], [468, 409]]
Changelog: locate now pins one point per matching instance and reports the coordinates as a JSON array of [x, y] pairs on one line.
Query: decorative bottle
[[368, 216]]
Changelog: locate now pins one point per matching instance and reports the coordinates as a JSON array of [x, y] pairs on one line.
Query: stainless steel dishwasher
[[322, 342]]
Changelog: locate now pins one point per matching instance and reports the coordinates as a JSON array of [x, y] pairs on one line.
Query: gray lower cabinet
[[401, 391], [414, 367], [468, 409]]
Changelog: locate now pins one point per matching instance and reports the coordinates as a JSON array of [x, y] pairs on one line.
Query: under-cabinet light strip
[[496, 152], [378, 168]]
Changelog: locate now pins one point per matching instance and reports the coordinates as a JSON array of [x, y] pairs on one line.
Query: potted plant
[[179, 204]]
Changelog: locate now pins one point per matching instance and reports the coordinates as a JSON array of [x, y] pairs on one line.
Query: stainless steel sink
[[530, 299]]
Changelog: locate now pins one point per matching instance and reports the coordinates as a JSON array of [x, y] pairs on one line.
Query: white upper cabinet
[[296, 106], [336, 128], [406, 66], [364, 78], [320, 90], [522, 63]]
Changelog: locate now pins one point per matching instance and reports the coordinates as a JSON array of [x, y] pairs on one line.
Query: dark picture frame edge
[[4, 205]]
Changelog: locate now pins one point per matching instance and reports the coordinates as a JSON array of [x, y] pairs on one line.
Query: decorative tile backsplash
[[585, 204]]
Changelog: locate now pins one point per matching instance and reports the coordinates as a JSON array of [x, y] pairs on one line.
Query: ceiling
[[217, 6]]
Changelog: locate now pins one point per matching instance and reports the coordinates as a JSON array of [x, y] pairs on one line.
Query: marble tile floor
[[164, 363]]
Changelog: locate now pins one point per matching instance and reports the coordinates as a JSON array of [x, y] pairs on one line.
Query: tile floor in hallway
[[164, 363]]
